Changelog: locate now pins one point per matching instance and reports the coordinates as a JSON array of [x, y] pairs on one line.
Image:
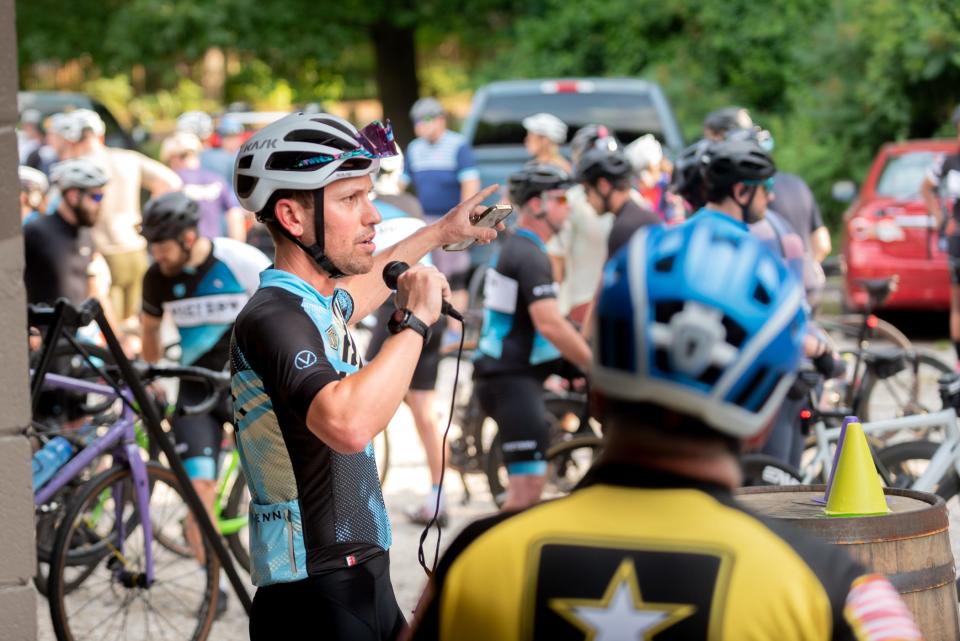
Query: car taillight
[[884, 230], [567, 86]]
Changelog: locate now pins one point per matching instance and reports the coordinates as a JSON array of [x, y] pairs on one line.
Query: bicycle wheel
[[845, 329], [760, 469], [238, 506], [113, 601], [905, 462], [904, 394], [568, 461]]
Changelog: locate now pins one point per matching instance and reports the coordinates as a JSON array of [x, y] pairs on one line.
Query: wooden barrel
[[910, 545]]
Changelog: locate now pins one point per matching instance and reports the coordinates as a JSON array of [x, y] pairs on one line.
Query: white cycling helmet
[[179, 143], [546, 125], [78, 173], [197, 123], [644, 152], [89, 119], [307, 152], [66, 126], [31, 178]]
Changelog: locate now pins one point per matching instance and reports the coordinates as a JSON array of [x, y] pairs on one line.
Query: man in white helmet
[[305, 411], [545, 134], [115, 235]]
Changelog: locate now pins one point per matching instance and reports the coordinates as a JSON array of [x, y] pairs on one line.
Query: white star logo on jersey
[[621, 614]]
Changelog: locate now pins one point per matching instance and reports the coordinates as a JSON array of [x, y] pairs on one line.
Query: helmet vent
[[245, 185], [245, 162], [315, 137], [665, 265], [752, 386], [665, 310], [735, 332], [293, 161], [761, 295], [336, 125]]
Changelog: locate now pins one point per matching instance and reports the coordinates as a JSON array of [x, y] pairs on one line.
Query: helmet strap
[[748, 217], [315, 251]]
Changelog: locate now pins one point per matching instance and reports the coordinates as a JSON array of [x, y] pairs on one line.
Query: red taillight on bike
[[805, 415], [872, 321]]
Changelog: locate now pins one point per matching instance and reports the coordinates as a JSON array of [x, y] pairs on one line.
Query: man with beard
[[305, 410], [60, 262], [202, 284], [58, 249]]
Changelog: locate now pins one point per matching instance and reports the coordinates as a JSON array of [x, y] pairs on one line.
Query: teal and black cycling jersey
[[312, 509]]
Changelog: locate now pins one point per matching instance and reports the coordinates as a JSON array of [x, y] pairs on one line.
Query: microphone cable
[[421, 557]]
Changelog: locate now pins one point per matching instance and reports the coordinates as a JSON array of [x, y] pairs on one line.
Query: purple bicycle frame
[[121, 439]]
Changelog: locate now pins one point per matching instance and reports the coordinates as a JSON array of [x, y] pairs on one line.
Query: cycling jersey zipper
[[290, 546]]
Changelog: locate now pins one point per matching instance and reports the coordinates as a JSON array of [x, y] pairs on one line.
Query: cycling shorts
[[953, 258], [516, 404], [198, 437], [355, 604], [425, 375]]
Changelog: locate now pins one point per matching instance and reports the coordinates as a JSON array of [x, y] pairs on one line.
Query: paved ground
[[406, 481]]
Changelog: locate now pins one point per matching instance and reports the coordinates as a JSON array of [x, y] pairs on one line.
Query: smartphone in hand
[[491, 217]]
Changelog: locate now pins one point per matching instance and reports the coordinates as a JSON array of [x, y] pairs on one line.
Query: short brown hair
[[304, 198]]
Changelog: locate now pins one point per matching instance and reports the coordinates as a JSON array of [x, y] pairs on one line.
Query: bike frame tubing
[[152, 421], [945, 457]]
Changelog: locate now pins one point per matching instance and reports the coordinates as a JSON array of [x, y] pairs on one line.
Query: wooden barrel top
[[911, 513]]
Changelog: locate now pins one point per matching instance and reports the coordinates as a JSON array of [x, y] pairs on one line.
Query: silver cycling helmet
[[89, 119], [307, 152], [78, 173], [197, 123]]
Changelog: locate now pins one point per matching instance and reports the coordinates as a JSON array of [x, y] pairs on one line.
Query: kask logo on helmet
[[253, 145]]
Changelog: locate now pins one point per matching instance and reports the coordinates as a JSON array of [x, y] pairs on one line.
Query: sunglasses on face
[[766, 184], [425, 119], [95, 196], [559, 198]]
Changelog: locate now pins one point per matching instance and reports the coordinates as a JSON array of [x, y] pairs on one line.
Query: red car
[[887, 230]]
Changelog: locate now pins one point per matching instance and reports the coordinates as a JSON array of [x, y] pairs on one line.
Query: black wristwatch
[[403, 319]]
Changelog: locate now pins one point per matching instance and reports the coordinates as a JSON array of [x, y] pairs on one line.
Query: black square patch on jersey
[[590, 591]]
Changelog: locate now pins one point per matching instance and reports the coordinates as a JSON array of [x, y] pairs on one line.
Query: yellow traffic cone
[[856, 489]]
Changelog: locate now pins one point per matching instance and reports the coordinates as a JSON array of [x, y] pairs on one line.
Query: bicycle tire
[[760, 469], [849, 325], [69, 627], [895, 457], [238, 504], [565, 468], [930, 369]]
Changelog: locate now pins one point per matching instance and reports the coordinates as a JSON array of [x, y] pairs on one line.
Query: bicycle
[[904, 384], [106, 535]]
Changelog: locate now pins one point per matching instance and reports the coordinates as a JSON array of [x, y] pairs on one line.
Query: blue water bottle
[[50, 458]]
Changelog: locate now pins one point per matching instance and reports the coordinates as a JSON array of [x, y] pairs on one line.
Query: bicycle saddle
[[885, 362], [878, 288]]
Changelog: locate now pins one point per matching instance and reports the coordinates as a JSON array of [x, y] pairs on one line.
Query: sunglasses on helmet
[[375, 141]]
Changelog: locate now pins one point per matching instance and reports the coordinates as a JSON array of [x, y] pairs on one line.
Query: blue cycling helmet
[[702, 319]]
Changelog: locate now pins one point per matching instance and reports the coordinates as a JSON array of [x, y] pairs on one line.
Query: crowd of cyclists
[[683, 291]]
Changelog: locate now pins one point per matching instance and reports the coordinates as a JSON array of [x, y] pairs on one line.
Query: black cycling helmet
[[721, 121], [534, 179], [599, 162], [166, 217], [687, 179], [728, 162], [588, 136]]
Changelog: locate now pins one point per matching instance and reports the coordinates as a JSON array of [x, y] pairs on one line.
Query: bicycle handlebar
[[214, 381]]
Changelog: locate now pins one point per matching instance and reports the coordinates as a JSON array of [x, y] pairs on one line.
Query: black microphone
[[392, 271]]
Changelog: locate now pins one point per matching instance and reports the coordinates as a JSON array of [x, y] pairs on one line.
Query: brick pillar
[[18, 608]]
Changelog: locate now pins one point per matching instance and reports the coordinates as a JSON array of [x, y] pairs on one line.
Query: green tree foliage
[[832, 80]]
